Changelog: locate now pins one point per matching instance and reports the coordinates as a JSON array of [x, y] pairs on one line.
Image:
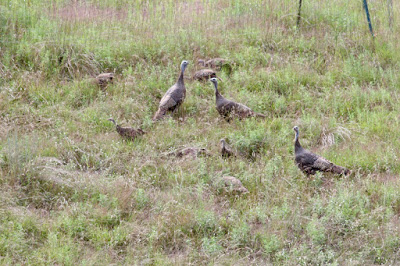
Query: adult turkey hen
[[310, 163], [127, 132], [174, 96], [227, 108]]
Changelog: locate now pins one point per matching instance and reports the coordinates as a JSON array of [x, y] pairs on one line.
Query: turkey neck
[[180, 80], [119, 129], [297, 146], [217, 94]]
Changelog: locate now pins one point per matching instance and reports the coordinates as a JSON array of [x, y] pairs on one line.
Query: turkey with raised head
[[310, 163], [174, 96], [127, 132], [226, 150], [227, 108]]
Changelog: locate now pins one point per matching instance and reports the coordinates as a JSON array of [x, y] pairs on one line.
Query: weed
[[72, 192]]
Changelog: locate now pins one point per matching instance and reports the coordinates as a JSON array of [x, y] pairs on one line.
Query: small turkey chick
[[215, 63], [102, 80], [192, 152], [226, 150], [127, 132], [205, 74]]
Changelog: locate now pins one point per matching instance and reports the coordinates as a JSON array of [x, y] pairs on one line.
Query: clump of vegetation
[[73, 192]]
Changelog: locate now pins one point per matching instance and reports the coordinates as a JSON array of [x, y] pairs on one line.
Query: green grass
[[72, 192]]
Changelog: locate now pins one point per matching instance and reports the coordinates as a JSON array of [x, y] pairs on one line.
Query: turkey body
[[215, 63], [226, 150], [234, 185], [191, 152], [204, 74], [228, 109], [104, 79], [310, 163], [174, 96], [127, 132]]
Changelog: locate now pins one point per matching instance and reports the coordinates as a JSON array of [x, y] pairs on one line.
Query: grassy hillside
[[72, 192]]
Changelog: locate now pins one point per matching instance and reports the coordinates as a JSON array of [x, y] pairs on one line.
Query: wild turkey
[[215, 63], [104, 79], [174, 96], [310, 163], [233, 185], [226, 150], [127, 132], [227, 108], [205, 74], [193, 152]]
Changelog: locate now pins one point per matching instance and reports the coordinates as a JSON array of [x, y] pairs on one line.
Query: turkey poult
[[174, 96], [227, 108], [127, 132], [226, 150], [233, 185], [104, 79], [311, 163], [215, 63], [205, 74], [192, 152]]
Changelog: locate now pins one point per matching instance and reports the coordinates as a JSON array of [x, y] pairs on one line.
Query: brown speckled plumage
[[204, 74], [226, 150], [234, 185], [228, 109], [192, 152], [127, 132], [214, 63], [104, 79]]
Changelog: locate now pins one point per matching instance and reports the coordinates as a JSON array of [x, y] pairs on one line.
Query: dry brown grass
[[72, 192]]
